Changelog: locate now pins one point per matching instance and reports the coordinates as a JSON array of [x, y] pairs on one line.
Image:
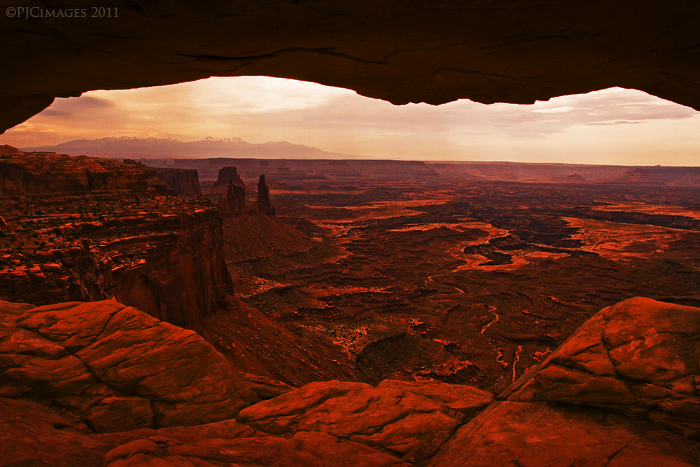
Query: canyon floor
[[392, 317], [468, 282]]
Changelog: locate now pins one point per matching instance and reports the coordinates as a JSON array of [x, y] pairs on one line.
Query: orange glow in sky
[[612, 126]]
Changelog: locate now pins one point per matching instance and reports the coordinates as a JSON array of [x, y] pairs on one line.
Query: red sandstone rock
[[115, 367], [233, 204], [32, 434], [226, 176], [264, 206], [410, 420], [537, 434], [265, 388], [301, 450], [638, 357]]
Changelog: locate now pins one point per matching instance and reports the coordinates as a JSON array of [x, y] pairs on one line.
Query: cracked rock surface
[[527, 434], [407, 419], [639, 357], [114, 367]]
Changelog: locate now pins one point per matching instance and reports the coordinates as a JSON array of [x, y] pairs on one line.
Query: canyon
[[388, 313]]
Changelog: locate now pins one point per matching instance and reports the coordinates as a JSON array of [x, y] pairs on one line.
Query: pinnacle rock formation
[[233, 204], [264, 206]]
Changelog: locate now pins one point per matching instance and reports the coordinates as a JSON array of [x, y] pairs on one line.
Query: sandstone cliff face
[[181, 182], [160, 253], [49, 173], [171, 266], [181, 274]]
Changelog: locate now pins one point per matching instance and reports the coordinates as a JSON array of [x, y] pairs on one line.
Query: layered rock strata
[[162, 254], [24, 173], [181, 182]]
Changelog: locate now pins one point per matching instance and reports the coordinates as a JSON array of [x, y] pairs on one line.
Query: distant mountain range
[[131, 147]]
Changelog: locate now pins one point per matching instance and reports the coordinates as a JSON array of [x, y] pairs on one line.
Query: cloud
[[555, 110], [260, 109]]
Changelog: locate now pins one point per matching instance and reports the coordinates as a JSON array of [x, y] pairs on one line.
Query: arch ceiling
[[515, 51]]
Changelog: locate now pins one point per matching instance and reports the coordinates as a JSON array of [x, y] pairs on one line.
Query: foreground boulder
[[639, 357], [621, 391], [527, 434], [407, 419], [114, 367], [31, 434]]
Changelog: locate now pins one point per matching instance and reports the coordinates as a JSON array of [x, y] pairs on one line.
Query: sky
[[612, 126]]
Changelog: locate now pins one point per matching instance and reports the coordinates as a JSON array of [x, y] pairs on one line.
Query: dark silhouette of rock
[[233, 204], [115, 367], [515, 52], [264, 206], [228, 175]]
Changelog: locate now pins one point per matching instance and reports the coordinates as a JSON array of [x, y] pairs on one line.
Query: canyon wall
[[162, 254], [171, 266], [182, 182]]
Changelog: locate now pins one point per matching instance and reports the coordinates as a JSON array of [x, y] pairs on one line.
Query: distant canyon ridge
[[285, 162]]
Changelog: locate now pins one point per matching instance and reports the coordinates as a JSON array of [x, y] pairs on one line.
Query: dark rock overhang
[[515, 51]]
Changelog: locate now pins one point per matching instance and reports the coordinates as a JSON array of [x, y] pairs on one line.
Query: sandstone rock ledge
[[72, 374], [638, 360], [114, 367]]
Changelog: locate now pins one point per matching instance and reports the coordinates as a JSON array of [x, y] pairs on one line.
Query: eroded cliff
[[163, 254]]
